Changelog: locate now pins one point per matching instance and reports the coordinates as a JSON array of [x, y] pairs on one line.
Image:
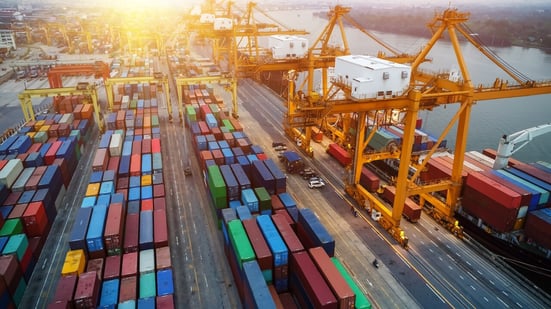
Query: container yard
[[153, 172]]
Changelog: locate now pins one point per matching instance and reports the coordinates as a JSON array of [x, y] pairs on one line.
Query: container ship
[[505, 210]]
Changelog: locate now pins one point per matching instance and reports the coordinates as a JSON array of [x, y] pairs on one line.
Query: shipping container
[[411, 211], [165, 284], [241, 176], [65, 288], [538, 226], [340, 154], [277, 246], [312, 233], [361, 302], [146, 230], [257, 295], [240, 242], [307, 284], [114, 228], [232, 186], [162, 258], [77, 237], [94, 237], [249, 199], [279, 177], [369, 180], [217, 186], [262, 251], [262, 177], [128, 290], [289, 236], [112, 268], [10, 172], [87, 291]]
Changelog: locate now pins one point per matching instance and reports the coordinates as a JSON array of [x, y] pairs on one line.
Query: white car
[[315, 183]]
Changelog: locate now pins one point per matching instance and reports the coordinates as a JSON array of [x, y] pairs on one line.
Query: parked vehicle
[[308, 173], [316, 182]]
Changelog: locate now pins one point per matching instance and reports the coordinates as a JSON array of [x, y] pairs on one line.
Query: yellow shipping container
[[31, 135], [38, 125], [75, 263], [93, 189], [44, 128], [146, 180], [147, 122]]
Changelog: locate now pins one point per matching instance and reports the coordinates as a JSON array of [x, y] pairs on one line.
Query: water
[[489, 119]]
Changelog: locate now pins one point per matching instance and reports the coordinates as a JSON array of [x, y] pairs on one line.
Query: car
[[315, 182], [308, 173], [276, 144], [280, 148]]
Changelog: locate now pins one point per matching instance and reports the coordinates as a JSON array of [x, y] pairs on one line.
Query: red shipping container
[[114, 164], [262, 156], [77, 111], [129, 264], [285, 214], [136, 165], [10, 272], [160, 230], [123, 182], [37, 243], [339, 153], [128, 288], [491, 153], [35, 219], [262, 251], [288, 301], [65, 288], [131, 232], [289, 237], [101, 159], [493, 189], [136, 146], [525, 196], [112, 269], [112, 235], [275, 297], [17, 211], [138, 132], [165, 302], [156, 145], [538, 226], [162, 258], [50, 154], [493, 213], [87, 292], [534, 171], [97, 266], [343, 292], [276, 203], [66, 175], [369, 180], [23, 156], [158, 190], [412, 211], [159, 203], [146, 146], [205, 155], [236, 124], [146, 205], [218, 156], [35, 148], [317, 290]]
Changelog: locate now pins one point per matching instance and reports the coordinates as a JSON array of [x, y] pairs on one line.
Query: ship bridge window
[[386, 75], [404, 74], [389, 93]]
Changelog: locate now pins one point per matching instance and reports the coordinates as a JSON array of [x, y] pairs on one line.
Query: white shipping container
[[371, 77], [221, 24], [147, 261], [19, 184], [115, 145], [287, 46], [10, 172], [67, 118], [206, 18]]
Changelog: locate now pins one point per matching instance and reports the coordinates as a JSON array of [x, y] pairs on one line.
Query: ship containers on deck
[[227, 215], [211, 121], [217, 187], [126, 148], [20, 145], [147, 286], [249, 199], [256, 292], [35, 219], [146, 146], [128, 290], [538, 227], [228, 156], [146, 261], [195, 129], [115, 145], [339, 153], [10, 172], [287, 234], [312, 233], [279, 251], [241, 176], [307, 284], [545, 186], [124, 166], [34, 159], [112, 236], [96, 265], [491, 201], [232, 186], [534, 172], [146, 164], [160, 232], [262, 251], [5, 146], [529, 197], [361, 302], [243, 212], [105, 139], [45, 196], [412, 211], [44, 150], [146, 230], [136, 146], [11, 273], [240, 242], [51, 179], [109, 293], [540, 195], [65, 288], [279, 177], [165, 285], [264, 200], [276, 203], [261, 176], [162, 258], [135, 165], [19, 184], [344, 294], [94, 237], [129, 265], [289, 204], [369, 180], [87, 291]]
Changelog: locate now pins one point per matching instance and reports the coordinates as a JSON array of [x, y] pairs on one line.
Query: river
[[489, 119]]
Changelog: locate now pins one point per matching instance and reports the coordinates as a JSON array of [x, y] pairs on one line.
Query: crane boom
[[508, 143]]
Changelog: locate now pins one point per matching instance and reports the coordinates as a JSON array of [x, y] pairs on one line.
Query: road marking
[[431, 251], [472, 287], [457, 253], [177, 241], [442, 300], [369, 282], [448, 246], [478, 271], [449, 266], [468, 262], [44, 264], [505, 293], [486, 299], [492, 282], [461, 277], [519, 305], [440, 258], [502, 301]]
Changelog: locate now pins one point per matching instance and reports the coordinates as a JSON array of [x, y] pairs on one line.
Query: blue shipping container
[[261, 177], [165, 283], [146, 230], [228, 156], [94, 237], [273, 239], [5, 146], [232, 186], [241, 176], [109, 293], [243, 212], [279, 177], [249, 199], [124, 166], [146, 164], [315, 231], [259, 295]]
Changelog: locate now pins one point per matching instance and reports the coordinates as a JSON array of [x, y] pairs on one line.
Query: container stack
[[264, 230], [119, 253], [36, 167]]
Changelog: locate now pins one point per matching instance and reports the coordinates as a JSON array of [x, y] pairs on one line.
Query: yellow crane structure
[[426, 91], [85, 89]]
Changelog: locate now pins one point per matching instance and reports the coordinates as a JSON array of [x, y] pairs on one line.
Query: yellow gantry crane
[[85, 89], [426, 91]]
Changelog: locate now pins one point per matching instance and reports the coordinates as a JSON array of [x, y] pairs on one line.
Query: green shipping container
[[17, 244], [154, 121], [217, 187], [227, 124], [264, 198], [12, 227], [133, 104], [157, 161], [147, 285], [240, 242], [40, 137], [190, 111], [361, 301], [215, 110]]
